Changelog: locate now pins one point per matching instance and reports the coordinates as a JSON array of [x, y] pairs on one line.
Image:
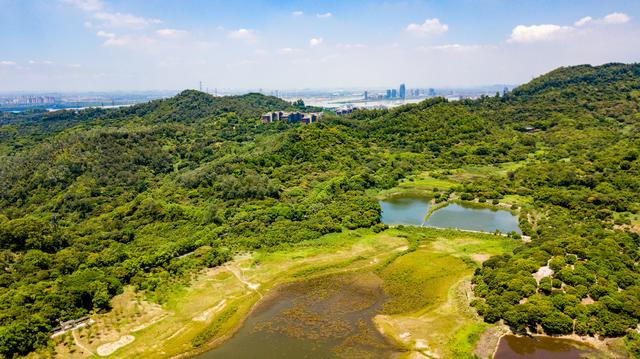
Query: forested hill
[[611, 80], [189, 105], [94, 200]]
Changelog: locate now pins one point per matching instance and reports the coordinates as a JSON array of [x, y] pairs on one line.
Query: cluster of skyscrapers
[[400, 93], [27, 100]]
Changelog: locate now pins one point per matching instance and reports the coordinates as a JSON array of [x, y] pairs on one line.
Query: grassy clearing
[[410, 290], [426, 275], [194, 314], [430, 290], [425, 181]]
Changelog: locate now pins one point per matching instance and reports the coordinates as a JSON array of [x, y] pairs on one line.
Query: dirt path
[[204, 316], [109, 348], [76, 340], [237, 272]]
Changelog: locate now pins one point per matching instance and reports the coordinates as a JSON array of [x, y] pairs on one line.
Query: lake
[[411, 210], [404, 210], [476, 219], [327, 317], [512, 347]]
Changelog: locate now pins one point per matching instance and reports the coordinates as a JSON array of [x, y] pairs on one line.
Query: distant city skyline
[[107, 45]]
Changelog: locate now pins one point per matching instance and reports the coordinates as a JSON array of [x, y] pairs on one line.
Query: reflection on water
[[404, 210], [512, 347], [475, 219], [328, 317], [411, 210]]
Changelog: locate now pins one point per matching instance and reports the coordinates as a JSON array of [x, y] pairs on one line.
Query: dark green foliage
[[632, 340], [146, 195]]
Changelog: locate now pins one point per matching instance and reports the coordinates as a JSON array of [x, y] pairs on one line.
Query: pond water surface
[[412, 210], [512, 347], [475, 219], [328, 317], [404, 210]]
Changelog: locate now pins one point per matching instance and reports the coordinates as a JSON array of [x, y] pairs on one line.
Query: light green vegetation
[[412, 291], [214, 304], [430, 290], [147, 197], [425, 181], [425, 271]]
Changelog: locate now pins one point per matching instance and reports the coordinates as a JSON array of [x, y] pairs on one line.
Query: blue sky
[[68, 45]]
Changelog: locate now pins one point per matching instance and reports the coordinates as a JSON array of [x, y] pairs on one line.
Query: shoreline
[[600, 345]]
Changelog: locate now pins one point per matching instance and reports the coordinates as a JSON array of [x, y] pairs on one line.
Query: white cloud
[[547, 32], [7, 63], [117, 41], [615, 18], [538, 33], [584, 21], [316, 42], [43, 62], [326, 15], [113, 40], [171, 33], [105, 34], [243, 34], [455, 47], [297, 13], [129, 41], [86, 5], [116, 19], [429, 27]]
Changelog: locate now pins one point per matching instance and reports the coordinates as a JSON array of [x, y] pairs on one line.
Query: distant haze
[[103, 45]]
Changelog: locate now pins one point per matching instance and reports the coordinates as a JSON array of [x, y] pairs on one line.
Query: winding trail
[[76, 340], [237, 272]]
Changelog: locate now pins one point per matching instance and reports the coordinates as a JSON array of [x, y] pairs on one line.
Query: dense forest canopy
[[96, 199]]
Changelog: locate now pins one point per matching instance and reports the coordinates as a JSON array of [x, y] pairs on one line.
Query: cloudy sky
[[68, 45]]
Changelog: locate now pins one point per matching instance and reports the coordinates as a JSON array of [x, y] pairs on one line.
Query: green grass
[[428, 182], [429, 291], [214, 328], [517, 200], [465, 244], [418, 280], [464, 340]]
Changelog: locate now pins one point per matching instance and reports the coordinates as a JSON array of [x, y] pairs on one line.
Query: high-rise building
[[366, 95], [432, 92], [403, 91], [394, 93], [388, 96]]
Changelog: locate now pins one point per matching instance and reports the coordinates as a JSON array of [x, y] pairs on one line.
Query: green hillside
[[94, 200]]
